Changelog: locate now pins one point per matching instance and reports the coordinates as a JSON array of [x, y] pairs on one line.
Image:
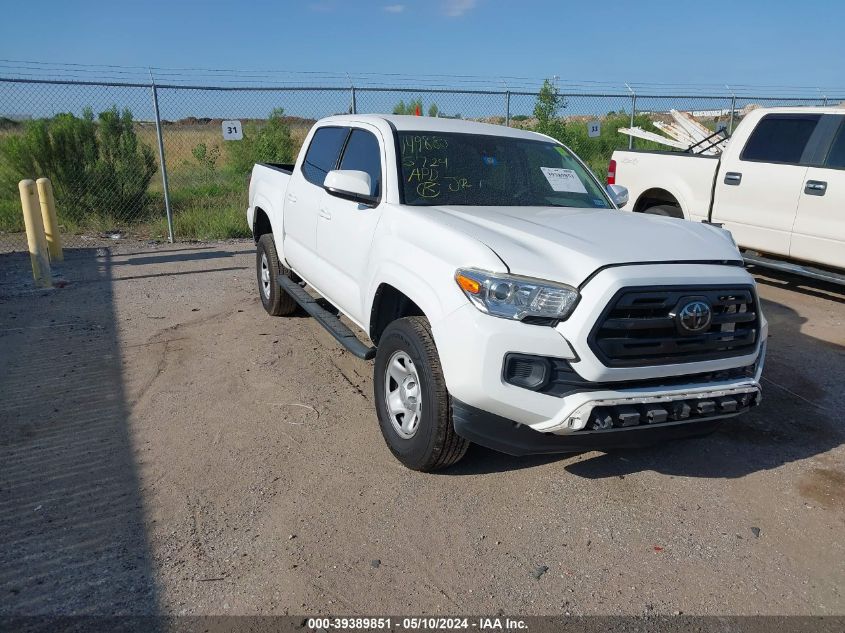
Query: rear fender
[[261, 201]]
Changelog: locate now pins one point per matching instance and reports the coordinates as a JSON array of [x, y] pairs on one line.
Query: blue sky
[[760, 43]]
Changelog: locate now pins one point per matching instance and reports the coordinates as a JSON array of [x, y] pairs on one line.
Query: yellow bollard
[[35, 237], [51, 222]]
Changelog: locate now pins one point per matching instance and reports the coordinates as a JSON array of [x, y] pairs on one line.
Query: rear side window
[[362, 153], [780, 139], [323, 153], [836, 155]]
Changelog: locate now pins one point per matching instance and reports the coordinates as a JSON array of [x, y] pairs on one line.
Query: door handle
[[325, 213], [815, 187], [291, 197], [733, 178]]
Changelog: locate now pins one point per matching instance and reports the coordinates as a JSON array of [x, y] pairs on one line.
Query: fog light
[[528, 372]]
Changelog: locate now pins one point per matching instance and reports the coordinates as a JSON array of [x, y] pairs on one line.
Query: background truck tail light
[[611, 173]]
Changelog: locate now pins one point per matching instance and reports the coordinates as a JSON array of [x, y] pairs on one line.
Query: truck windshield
[[488, 170]]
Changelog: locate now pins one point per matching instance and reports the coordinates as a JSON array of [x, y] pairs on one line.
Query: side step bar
[[333, 324], [755, 259]]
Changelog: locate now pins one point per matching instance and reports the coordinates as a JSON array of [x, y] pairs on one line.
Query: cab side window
[[780, 138], [363, 153], [836, 155], [323, 153]]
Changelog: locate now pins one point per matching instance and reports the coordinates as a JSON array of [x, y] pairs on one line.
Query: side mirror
[[618, 194], [350, 184]]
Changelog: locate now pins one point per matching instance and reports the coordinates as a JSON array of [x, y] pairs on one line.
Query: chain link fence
[[102, 144]]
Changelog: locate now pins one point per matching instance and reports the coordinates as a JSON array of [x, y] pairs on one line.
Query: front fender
[[409, 283], [424, 269]]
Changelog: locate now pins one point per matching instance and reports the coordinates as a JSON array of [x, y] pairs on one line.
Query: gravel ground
[[166, 447]]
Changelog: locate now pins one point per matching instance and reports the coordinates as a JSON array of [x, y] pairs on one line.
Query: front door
[[345, 229], [756, 192], [304, 195]]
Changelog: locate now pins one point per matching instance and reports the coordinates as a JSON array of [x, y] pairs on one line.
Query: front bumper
[[507, 436], [472, 346]]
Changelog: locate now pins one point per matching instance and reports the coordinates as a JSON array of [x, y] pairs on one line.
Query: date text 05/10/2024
[[416, 624]]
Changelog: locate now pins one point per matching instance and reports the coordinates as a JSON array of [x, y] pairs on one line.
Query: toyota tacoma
[[504, 298]]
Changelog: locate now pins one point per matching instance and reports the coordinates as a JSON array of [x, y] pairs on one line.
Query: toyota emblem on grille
[[695, 316]]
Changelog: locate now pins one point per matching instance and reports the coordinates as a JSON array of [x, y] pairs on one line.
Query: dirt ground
[[166, 447]]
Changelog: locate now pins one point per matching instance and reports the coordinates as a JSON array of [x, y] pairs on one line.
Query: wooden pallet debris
[[685, 132]]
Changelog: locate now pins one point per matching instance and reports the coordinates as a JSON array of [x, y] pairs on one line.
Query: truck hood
[[568, 245]]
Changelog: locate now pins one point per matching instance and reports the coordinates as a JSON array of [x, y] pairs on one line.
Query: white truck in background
[[778, 187], [507, 299]]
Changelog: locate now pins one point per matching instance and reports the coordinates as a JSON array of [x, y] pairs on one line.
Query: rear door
[[819, 232], [756, 192], [345, 228], [304, 195]]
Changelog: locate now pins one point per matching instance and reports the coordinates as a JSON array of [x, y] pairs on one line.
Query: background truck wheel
[[412, 403], [268, 269], [668, 210]]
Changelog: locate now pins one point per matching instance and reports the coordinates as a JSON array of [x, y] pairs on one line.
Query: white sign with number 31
[[232, 131]]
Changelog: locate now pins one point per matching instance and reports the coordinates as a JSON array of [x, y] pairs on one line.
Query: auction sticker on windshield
[[562, 179]]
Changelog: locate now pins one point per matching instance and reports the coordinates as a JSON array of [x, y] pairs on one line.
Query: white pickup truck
[[509, 302], [779, 187]]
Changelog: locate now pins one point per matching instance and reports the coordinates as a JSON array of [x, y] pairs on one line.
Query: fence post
[[354, 105], [633, 113], [508, 108], [733, 109], [35, 239], [163, 166]]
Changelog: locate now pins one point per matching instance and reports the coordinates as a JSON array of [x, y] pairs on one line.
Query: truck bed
[[649, 174]]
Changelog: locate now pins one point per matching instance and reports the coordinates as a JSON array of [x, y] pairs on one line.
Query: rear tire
[[412, 402], [667, 210], [268, 268]]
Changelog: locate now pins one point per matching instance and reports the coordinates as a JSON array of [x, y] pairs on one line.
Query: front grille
[[640, 326]]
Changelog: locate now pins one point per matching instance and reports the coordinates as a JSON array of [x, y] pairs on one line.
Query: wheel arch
[[388, 304], [656, 196], [261, 224]]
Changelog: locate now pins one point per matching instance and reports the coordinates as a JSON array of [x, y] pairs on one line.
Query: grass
[[210, 205], [206, 203], [11, 216]]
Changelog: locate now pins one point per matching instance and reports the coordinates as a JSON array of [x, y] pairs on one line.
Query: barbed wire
[[258, 77]]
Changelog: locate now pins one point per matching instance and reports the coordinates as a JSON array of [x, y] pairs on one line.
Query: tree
[[433, 110], [98, 168], [549, 103]]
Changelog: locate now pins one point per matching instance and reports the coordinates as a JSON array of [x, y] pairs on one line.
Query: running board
[[820, 274], [332, 323]]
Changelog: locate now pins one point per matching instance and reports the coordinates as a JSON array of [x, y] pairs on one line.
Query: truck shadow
[[71, 515], [800, 417], [802, 285], [169, 257]]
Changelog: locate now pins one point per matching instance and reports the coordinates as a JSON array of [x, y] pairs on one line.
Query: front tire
[[412, 402], [268, 268]]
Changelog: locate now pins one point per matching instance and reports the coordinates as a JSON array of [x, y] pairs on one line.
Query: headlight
[[514, 297]]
